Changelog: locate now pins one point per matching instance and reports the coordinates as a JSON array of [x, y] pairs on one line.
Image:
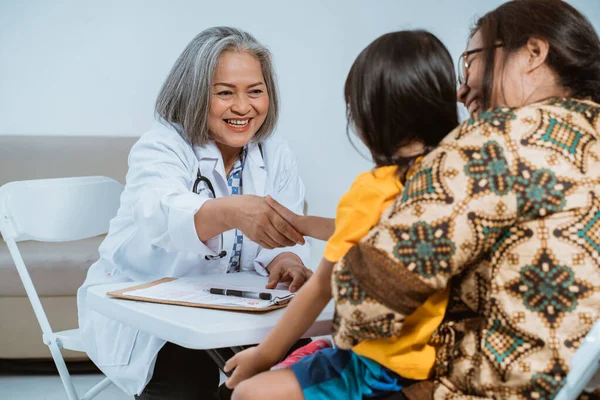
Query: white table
[[198, 328]]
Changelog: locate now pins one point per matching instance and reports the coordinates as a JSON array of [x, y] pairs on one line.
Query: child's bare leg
[[275, 385]]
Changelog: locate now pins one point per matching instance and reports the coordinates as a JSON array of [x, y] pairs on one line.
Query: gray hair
[[184, 98]]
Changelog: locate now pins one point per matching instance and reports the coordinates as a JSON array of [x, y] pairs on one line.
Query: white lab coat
[[153, 236]]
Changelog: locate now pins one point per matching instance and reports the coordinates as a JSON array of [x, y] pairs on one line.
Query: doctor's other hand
[[245, 365], [263, 225], [287, 268]]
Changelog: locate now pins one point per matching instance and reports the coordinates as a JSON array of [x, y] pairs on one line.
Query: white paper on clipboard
[[196, 291]]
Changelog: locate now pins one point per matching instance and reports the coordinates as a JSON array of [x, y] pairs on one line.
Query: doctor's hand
[[287, 268], [262, 224], [245, 365]]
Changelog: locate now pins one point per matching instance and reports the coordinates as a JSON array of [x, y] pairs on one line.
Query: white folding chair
[[57, 210], [584, 373]]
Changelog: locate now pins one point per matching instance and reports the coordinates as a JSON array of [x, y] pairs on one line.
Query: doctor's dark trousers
[[185, 374]]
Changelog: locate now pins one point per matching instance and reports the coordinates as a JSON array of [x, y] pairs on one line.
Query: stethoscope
[[200, 181]]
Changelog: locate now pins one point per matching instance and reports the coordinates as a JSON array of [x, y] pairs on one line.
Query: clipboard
[[129, 294]]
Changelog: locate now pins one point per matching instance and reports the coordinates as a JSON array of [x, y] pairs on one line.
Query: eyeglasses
[[464, 64]]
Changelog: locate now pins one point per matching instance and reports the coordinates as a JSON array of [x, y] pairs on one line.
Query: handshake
[[271, 225]]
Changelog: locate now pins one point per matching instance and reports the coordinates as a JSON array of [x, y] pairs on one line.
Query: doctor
[[194, 204]]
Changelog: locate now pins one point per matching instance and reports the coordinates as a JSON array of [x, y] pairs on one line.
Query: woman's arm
[[298, 317]]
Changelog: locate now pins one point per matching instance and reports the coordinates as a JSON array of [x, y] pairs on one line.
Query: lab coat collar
[[211, 152], [255, 155], [254, 174]]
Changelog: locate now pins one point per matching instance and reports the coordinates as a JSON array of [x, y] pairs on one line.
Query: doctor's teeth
[[237, 122]]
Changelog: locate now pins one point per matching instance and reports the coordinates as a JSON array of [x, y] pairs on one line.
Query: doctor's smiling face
[[239, 103]]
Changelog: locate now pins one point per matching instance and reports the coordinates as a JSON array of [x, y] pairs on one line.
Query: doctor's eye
[[225, 93], [255, 93]]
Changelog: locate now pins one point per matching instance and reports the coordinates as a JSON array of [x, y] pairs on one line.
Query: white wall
[[94, 68]]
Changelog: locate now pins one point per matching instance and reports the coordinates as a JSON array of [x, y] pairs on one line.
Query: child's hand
[[316, 227], [245, 365], [291, 217]]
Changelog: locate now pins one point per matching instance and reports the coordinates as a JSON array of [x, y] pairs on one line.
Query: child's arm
[[316, 227], [298, 317]]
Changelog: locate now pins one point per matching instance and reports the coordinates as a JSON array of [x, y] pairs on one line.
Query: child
[[401, 99]]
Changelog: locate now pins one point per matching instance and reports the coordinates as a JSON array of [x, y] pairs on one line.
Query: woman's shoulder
[[165, 134], [556, 108], [164, 141], [542, 116]]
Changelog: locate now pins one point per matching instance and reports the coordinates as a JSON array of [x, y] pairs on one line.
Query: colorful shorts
[[335, 373]]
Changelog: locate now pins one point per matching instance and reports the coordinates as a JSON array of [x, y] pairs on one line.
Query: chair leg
[[65, 377], [217, 358], [100, 386]]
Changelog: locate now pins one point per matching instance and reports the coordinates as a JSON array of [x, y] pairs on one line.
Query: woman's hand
[[262, 224], [245, 365], [287, 268]]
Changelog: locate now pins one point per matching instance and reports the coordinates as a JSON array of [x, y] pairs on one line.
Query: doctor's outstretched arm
[[250, 214]]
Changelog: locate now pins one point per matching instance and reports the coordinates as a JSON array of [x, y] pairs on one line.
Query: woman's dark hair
[[401, 89], [574, 46]]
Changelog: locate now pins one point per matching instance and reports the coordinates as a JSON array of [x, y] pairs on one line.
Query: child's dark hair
[[401, 89]]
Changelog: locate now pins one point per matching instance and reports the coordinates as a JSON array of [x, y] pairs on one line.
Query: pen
[[240, 293]]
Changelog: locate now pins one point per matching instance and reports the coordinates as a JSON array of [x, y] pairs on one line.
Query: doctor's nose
[[241, 105]]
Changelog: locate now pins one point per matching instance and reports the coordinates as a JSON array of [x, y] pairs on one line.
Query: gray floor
[[50, 388]]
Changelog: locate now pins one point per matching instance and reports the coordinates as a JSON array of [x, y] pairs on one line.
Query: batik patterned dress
[[507, 212]]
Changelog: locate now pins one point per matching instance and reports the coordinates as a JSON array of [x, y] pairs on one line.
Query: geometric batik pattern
[[549, 289], [562, 137], [358, 316], [488, 230], [589, 111], [381, 326], [539, 191], [573, 342], [488, 169], [511, 238], [234, 183], [546, 384], [426, 186], [584, 231], [348, 288], [496, 120], [503, 343], [424, 248]]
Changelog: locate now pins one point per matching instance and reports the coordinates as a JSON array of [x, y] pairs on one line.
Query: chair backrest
[[584, 372], [58, 210]]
